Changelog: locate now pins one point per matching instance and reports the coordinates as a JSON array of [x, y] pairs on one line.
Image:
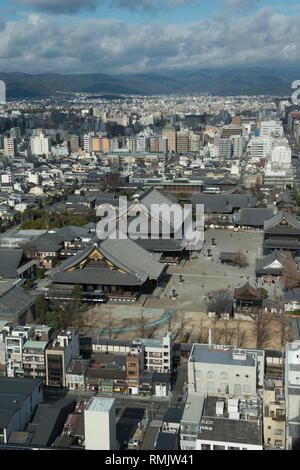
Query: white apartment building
[[40, 145], [271, 129], [194, 142], [261, 147], [88, 142], [237, 146], [281, 155], [292, 395], [14, 343], [158, 354], [100, 424]]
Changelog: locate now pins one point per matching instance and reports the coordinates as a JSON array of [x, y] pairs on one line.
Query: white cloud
[[37, 44]]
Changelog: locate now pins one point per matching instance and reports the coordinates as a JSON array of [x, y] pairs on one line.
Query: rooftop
[[100, 404], [203, 353]]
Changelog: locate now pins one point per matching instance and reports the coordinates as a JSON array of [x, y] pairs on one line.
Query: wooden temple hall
[[282, 232], [247, 300], [114, 269], [152, 230]]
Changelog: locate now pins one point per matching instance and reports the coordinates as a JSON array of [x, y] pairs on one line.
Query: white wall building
[[40, 145], [100, 424], [292, 395], [271, 129]]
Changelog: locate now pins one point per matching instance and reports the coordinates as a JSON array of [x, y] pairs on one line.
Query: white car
[[133, 443]]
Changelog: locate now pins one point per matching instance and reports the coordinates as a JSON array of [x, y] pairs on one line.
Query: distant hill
[[246, 80]]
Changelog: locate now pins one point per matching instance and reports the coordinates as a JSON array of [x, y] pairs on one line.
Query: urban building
[[100, 424]]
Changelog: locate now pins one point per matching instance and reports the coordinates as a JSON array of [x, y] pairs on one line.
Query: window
[[210, 374], [205, 446], [224, 376]]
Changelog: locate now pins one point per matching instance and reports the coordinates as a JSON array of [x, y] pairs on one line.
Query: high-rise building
[[261, 147], [40, 145], [182, 142], [271, 129], [281, 155], [225, 148], [74, 144], [10, 146], [100, 424], [237, 146], [170, 133], [87, 143]]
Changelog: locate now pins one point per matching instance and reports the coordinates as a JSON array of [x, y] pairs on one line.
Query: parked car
[[133, 443]]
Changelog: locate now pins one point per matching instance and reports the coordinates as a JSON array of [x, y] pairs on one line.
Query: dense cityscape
[[149, 229], [171, 348]]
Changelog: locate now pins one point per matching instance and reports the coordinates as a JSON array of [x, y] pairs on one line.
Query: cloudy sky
[[137, 36]]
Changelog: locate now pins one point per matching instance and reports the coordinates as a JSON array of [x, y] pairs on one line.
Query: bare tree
[[28, 251], [240, 258], [217, 332], [241, 335], [263, 332], [290, 274], [219, 301], [203, 333], [228, 333], [258, 183], [280, 316], [110, 324], [142, 324]]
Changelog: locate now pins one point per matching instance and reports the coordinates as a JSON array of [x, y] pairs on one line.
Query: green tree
[[40, 273], [41, 308], [28, 285]]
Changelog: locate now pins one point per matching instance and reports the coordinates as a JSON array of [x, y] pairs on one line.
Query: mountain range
[[219, 81]]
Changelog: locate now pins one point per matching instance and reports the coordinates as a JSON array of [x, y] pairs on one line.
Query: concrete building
[[18, 401], [40, 145], [10, 146], [292, 395], [237, 146], [261, 147], [274, 414], [182, 142], [281, 155], [219, 369], [230, 424], [221, 423], [158, 354], [271, 129], [134, 367], [100, 424], [225, 148], [169, 132], [14, 343], [58, 355]]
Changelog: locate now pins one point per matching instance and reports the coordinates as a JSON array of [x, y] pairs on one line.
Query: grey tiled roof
[[254, 217], [11, 261], [14, 302], [291, 220]]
